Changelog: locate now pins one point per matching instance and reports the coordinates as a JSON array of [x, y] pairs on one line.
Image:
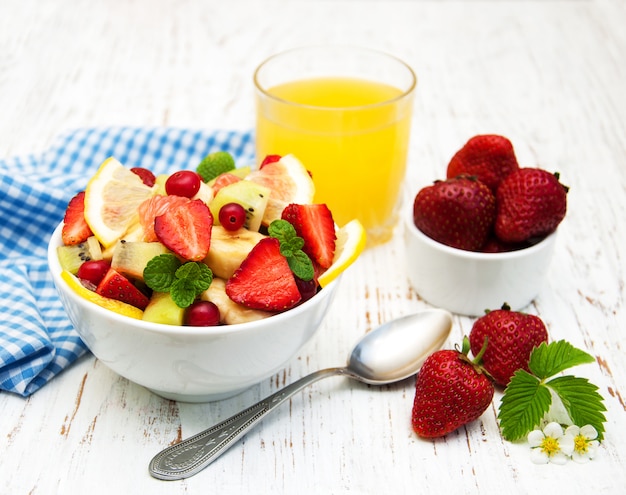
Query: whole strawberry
[[531, 202], [450, 391], [458, 212], [511, 337], [488, 157]]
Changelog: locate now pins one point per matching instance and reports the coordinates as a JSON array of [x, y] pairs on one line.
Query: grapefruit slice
[[111, 304], [351, 240], [112, 197], [289, 182]]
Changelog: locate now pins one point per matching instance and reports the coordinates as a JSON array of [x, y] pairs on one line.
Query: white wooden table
[[550, 75]]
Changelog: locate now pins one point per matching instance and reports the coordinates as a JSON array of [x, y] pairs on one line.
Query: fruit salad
[[210, 246]]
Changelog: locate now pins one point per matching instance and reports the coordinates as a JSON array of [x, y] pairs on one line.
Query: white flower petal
[[592, 448], [535, 438], [558, 458], [566, 443], [572, 430], [538, 456], [554, 430], [580, 458], [589, 431]]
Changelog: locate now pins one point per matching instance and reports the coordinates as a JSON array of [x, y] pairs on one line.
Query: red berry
[[307, 288], [531, 202], [457, 212], [202, 314], [145, 175], [232, 216], [269, 159], [511, 337], [488, 157], [184, 183], [450, 391], [93, 271]]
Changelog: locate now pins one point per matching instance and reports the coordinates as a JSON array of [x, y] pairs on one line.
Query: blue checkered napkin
[[37, 341]]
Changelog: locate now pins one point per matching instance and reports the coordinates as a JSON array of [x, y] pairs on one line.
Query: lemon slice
[[289, 181], [112, 197], [111, 304], [351, 239]]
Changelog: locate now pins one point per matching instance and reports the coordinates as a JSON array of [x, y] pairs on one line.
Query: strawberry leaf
[[528, 397], [581, 400], [549, 359], [525, 402]]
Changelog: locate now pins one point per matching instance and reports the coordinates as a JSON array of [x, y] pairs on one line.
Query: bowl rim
[[175, 330], [473, 255]]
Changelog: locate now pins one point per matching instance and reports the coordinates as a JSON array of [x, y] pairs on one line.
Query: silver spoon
[[392, 352]]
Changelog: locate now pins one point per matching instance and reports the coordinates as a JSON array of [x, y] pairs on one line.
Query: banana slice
[[231, 313], [229, 249]]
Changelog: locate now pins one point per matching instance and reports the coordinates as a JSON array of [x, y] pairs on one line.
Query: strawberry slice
[[116, 286], [314, 223], [153, 207], [75, 229], [264, 280], [186, 229]]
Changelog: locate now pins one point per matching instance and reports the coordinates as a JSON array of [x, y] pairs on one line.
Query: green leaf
[[301, 265], [214, 164], [291, 248], [549, 359], [159, 272], [191, 279], [525, 402], [581, 400]]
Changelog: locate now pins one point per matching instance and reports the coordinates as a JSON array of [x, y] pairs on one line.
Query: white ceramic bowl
[[468, 283], [191, 364]]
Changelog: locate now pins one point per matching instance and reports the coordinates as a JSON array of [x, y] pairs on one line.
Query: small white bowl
[[191, 364], [468, 283]]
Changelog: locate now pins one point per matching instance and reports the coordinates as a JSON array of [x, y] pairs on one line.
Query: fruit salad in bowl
[[199, 283], [485, 234]]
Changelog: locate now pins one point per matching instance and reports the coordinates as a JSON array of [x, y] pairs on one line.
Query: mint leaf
[[549, 359], [159, 272], [214, 164], [191, 279], [525, 402], [291, 248], [301, 266], [581, 400]]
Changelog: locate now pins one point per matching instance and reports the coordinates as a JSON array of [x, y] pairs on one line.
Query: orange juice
[[352, 134]]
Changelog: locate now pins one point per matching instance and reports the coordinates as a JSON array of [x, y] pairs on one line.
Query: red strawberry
[[153, 207], [186, 229], [116, 286], [269, 159], [489, 157], [511, 336], [531, 202], [75, 229], [264, 280], [458, 212], [145, 175], [314, 223], [450, 391]]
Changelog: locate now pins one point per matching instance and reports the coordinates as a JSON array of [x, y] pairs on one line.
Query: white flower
[[550, 445], [585, 442]]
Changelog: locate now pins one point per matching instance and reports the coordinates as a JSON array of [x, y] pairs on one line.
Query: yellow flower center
[[581, 444], [550, 446]]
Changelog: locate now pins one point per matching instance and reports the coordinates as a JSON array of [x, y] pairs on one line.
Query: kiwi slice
[[71, 257], [253, 197]]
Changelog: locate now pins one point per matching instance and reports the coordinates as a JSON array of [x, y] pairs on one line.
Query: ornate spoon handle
[[192, 455]]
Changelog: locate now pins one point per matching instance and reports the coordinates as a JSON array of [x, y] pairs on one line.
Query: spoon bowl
[[392, 352]]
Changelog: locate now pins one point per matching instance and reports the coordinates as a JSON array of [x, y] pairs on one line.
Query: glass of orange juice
[[345, 113]]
